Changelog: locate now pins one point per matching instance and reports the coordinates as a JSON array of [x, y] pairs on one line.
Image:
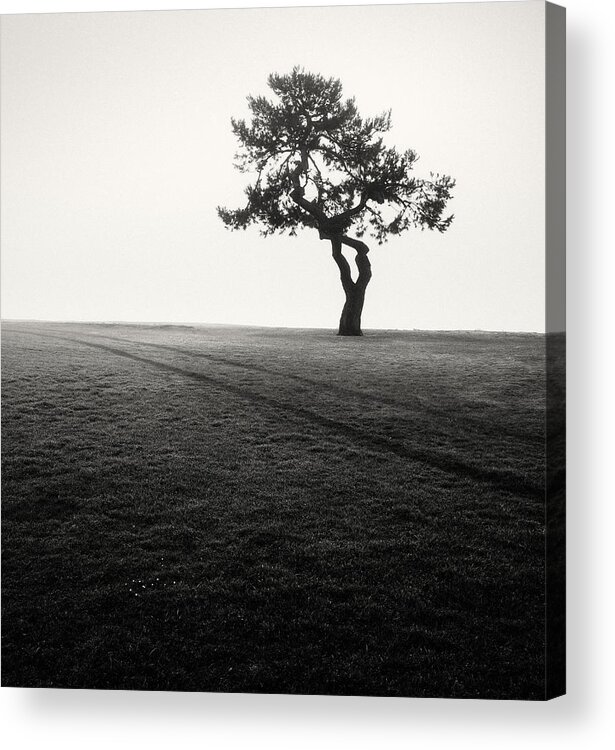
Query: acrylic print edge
[[555, 299]]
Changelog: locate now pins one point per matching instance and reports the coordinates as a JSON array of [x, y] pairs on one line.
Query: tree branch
[[309, 206], [351, 211], [338, 256], [298, 193], [363, 265], [360, 247]]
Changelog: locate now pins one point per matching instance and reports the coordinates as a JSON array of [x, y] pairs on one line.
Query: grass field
[[273, 510]]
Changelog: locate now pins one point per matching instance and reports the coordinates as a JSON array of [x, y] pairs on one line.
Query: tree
[[319, 164]]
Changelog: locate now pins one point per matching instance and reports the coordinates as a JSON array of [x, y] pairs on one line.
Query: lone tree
[[319, 164]]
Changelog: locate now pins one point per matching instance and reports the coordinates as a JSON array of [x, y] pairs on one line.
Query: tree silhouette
[[319, 164]]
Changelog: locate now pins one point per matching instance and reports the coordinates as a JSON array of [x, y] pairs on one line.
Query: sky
[[116, 148]]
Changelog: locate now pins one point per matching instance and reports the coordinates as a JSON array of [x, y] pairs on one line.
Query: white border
[[77, 719]]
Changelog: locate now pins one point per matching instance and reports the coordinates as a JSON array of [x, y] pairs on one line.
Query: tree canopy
[[317, 163]]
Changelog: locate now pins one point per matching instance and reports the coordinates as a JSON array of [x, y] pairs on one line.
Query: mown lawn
[[273, 510]]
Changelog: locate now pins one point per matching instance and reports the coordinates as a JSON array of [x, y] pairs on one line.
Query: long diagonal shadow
[[254, 367], [367, 398], [503, 480]]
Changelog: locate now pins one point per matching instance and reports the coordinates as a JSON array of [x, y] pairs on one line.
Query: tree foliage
[[317, 163]]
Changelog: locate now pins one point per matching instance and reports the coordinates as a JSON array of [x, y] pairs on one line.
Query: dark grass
[[235, 509]]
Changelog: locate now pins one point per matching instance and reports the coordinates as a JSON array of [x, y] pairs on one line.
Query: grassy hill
[[273, 510]]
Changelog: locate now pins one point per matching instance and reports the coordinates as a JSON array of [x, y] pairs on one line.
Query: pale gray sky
[[117, 147]]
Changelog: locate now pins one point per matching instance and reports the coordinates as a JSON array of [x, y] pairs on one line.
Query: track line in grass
[[440, 461], [253, 367], [367, 398]]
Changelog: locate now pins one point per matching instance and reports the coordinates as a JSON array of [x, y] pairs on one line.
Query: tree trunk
[[328, 228], [350, 321]]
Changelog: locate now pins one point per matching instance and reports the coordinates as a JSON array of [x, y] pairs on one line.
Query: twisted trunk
[[350, 320], [331, 228]]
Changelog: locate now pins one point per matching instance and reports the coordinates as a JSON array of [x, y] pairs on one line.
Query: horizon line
[[201, 324]]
